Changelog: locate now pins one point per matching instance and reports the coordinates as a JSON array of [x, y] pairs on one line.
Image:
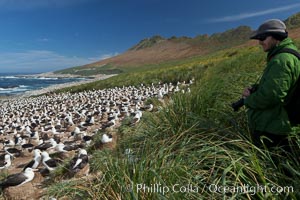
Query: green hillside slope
[[194, 140]]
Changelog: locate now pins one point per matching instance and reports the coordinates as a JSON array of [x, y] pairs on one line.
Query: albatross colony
[[61, 123]]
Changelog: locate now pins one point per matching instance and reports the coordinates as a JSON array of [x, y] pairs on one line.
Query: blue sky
[[47, 35]]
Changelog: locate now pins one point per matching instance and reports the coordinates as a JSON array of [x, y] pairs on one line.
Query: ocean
[[16, 84]]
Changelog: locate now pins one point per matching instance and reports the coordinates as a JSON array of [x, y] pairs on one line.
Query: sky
[[46, 35]]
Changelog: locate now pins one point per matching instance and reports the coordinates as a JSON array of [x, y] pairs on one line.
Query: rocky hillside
[[157, 49]]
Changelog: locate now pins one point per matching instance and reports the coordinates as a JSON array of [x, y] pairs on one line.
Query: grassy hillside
[[157, 50], [195, 141]]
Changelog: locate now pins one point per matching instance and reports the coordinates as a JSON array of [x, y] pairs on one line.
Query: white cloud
[[254, 14], [41, 61]]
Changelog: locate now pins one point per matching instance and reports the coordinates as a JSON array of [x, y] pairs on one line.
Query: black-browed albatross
[[18, 179]]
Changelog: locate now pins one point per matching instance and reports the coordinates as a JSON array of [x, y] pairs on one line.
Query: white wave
[[21, 88], [9, 77], [46, 78]]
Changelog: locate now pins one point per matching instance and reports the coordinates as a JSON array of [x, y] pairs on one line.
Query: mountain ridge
[[158, 49]]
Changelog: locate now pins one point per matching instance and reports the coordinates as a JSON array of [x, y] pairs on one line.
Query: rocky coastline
[[57, 86]]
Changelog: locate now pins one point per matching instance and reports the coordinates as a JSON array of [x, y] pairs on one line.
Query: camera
[[238, 104]]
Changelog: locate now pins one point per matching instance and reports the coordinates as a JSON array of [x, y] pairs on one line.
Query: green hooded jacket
[[265, 106]]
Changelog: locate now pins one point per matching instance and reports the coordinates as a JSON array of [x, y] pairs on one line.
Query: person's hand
[[246, 92]]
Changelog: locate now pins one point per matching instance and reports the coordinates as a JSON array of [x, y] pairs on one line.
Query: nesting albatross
[[35, 162], [79, 161], [6, 162], [18, 179], [49, 163]]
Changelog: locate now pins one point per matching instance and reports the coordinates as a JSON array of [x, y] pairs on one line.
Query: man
[[266, 113]]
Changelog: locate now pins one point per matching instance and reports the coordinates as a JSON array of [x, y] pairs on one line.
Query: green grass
[[196, 140], [90, 71]]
